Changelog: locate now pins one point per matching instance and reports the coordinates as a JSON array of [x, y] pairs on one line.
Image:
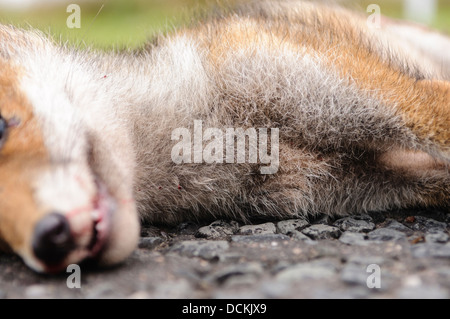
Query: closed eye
[[3, 130]]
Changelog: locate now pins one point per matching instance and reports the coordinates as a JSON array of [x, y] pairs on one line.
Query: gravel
[[320, 231], [422, 223], [203, 249], [218, 229], [352, 238], [395, 225], [258, 238], [311, 270], [292, 225], [262, 229], [354, 224], [406, 252], [437, 236], [386, 234]]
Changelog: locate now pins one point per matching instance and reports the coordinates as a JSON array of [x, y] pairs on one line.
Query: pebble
[[243, 269], [353, 224], [217, 229], [427, 250], [201, 248], [426, 224], [150, 242], [367, 260], [386, 234], [274, 289], [319, 269], [103, 291], [351, 238], [362, 271], [259, 238], [437, 236], [173, 289], [262, 229], [320, 231], [289, 226], [395, 225], [302, 237], [355, 274]]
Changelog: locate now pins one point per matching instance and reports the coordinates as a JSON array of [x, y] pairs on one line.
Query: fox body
[[363, 116]]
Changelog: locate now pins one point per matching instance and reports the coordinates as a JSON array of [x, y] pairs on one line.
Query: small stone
[[177, 289], [395, 225], [386, 234], [351, 238], [437, 236], [354, 225], [104, 291], [355, 274], [259, 238], [274, 289], [262, 229], [427, 250], [425, 224], [245, 269], [300, 236], [199, 248], [218, 229], [289, 226], [422, 292], [367, 260], [150, 242], [444, 273], [309, 270], [321, 231]]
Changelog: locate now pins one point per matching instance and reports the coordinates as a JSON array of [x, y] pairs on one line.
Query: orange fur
[[23, 150], [424, 105]]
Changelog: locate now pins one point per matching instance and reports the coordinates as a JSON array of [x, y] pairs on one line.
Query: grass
[[118, 24], [394, 8], [129, 23]]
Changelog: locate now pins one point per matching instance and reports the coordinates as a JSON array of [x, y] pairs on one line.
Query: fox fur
[[363, 117]]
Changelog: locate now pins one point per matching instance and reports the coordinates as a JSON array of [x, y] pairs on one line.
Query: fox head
[[65, 193]]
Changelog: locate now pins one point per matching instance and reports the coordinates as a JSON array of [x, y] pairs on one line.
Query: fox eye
[[3, 128]]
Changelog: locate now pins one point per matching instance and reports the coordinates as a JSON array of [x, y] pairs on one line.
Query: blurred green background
[[129, 23]]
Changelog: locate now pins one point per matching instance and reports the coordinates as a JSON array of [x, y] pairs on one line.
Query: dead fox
[[87, 138]]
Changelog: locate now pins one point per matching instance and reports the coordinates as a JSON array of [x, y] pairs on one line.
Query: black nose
[[52, 240]]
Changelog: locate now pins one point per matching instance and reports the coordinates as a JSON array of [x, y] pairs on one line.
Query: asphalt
[[401, 254]]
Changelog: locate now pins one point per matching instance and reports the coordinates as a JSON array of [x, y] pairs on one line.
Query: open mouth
[[103, 209], [92, 232]]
